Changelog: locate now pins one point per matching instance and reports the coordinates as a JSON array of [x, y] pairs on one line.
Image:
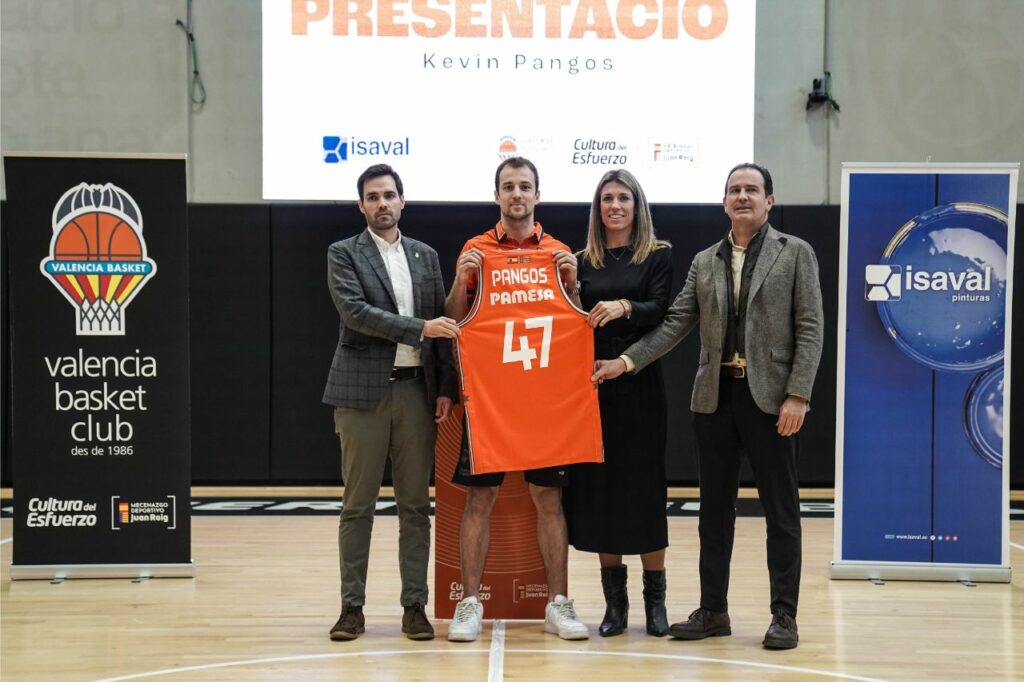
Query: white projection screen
[[443, 90]]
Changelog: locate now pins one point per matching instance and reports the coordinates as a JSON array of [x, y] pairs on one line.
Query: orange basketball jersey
[[526, 355]]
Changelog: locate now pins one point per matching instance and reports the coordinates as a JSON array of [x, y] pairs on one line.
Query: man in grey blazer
[[757, 301], [391, 381]]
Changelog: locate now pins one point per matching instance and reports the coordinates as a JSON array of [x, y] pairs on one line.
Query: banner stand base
[[74, 571], [881, 570]]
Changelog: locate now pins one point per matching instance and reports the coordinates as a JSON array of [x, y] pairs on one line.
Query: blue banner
[[921, 445]]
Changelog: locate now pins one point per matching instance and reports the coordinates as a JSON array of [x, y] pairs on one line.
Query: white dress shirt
[[401, 281]]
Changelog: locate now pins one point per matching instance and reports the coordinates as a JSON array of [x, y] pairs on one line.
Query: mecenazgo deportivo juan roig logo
[[98, 257]]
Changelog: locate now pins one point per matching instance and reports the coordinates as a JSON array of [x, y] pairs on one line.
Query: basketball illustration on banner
[[98, 257]]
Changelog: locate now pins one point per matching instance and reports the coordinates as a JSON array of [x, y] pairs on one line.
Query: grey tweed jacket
[[371, 327], [785, 323]]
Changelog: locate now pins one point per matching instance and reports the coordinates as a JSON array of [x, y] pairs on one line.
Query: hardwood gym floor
[[266, 593]]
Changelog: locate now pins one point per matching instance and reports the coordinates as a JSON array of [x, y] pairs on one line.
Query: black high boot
[[654, 603], [616, 612]]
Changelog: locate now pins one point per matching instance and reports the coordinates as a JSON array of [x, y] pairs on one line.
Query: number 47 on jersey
[[525, 353]]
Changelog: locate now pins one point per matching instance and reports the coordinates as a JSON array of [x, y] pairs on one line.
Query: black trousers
[[739, 425]]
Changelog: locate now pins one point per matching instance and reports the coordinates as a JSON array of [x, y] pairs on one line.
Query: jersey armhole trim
[[561, 288], [476, 298]]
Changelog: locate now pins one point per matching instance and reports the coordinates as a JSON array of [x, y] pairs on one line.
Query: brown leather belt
[[406, 373], [734, 371]]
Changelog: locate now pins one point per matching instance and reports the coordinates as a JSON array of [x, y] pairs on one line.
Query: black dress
[[618, 507]]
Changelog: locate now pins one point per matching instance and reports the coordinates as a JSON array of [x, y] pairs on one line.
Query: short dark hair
[[378, 171], [768, 188], [517, 162]]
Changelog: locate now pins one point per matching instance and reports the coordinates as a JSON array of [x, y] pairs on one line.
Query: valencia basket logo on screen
[[98, 256]]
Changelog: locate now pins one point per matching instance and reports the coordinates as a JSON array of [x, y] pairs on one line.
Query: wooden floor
[[267, 593]]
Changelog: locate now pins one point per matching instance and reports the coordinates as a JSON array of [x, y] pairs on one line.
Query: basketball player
[[516, 191], [752, 391], [391, 380]]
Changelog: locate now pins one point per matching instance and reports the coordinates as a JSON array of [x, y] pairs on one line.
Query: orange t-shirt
[[526, 354]]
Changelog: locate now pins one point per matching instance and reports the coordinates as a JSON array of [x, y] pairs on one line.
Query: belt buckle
[[404, 373], [735, 371]]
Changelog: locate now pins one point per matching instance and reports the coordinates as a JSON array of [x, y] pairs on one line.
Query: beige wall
[[917, 80]]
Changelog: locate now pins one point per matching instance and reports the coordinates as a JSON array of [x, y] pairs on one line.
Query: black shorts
[[549, 477]]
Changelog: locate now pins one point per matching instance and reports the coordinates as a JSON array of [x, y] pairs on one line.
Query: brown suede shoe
[[415, 624], [350, 625]]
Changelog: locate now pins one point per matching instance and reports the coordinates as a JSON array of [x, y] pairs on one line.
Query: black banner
[[99, 351]]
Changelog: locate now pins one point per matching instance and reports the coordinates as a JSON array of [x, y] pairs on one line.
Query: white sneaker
[[467, 622], [560, 619]]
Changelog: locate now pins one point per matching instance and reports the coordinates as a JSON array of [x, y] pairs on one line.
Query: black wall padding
[[690, 229], [6, 475], [229, 249], [264, 330], [304, 332], [818, 225]]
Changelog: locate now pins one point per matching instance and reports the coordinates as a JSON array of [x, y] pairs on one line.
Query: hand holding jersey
[[440, 327]]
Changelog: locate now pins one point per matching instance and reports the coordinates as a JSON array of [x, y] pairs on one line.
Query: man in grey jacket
[[391, 380], [757, 301]]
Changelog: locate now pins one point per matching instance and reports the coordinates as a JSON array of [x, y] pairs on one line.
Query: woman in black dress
[[618, 507]]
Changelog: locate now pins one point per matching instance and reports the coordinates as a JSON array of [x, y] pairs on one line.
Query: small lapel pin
[[416, 254]]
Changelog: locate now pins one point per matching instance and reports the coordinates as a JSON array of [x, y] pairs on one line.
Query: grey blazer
[[371, 328], [784, 328]]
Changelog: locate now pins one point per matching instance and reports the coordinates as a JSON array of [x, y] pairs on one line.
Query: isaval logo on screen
[[338, 148]]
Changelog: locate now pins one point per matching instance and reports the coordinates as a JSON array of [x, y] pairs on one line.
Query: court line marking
[[1014, 544], [496, 661], [284, 659], [6, 540], [454, 650], [703, 659]]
